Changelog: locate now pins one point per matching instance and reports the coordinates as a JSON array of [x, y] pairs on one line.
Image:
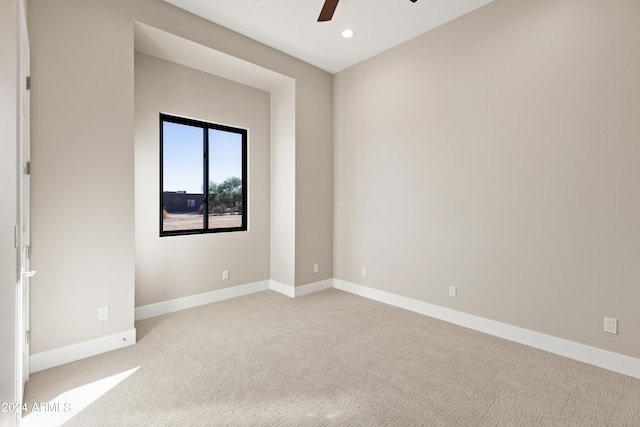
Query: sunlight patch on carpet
[[67, 405]]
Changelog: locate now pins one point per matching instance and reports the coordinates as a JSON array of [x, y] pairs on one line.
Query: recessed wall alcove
[[169, 47]]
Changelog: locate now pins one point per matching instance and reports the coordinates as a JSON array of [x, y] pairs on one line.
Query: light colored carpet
[[332, 358]]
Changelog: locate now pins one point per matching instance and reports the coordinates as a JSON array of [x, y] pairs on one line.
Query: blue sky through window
[[183, 161], [225, 155]]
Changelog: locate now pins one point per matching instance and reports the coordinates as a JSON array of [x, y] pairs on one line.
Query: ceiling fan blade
[[327, 10]]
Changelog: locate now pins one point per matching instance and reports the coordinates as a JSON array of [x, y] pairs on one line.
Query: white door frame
[[24, 197]]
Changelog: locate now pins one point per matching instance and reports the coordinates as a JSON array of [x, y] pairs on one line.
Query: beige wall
[[82, 181], [500, 154], [314, 189], [8, 208], [196, 262], [283, 186], [83, 151]]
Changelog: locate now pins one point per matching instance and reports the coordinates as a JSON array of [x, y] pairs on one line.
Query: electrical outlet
[[364, 271], [315, 268], [611, 325], [103, 313], [225, 274], [453, 291]]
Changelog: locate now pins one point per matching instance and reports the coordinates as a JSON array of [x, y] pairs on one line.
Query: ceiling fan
[[329, 7]]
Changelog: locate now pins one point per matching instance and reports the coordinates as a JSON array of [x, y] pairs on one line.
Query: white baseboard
[[594, 356], [300, 291], [71, 353], [282, 288], [165, 307], [602, 358], [311, 288]]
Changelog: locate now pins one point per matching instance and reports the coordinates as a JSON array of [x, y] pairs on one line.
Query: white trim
[[300, 291], [311, 288], [594, 356], [165, 307], [73, 352], [287, 290]]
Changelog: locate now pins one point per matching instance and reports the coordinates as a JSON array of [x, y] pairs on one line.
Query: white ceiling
[[291, 25]]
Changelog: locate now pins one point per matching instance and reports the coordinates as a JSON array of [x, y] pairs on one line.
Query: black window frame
[[205, 126]]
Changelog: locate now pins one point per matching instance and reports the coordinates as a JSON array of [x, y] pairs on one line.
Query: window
[[203, 177]]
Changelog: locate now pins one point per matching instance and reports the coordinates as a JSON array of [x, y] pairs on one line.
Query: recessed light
[[347, 33]]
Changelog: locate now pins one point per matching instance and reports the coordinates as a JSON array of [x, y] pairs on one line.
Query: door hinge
[[27, 336], [16, 236], [27, 252], [27, 168], [28, 82]]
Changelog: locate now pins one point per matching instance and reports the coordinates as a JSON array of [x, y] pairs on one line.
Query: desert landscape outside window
[[203, 177]]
